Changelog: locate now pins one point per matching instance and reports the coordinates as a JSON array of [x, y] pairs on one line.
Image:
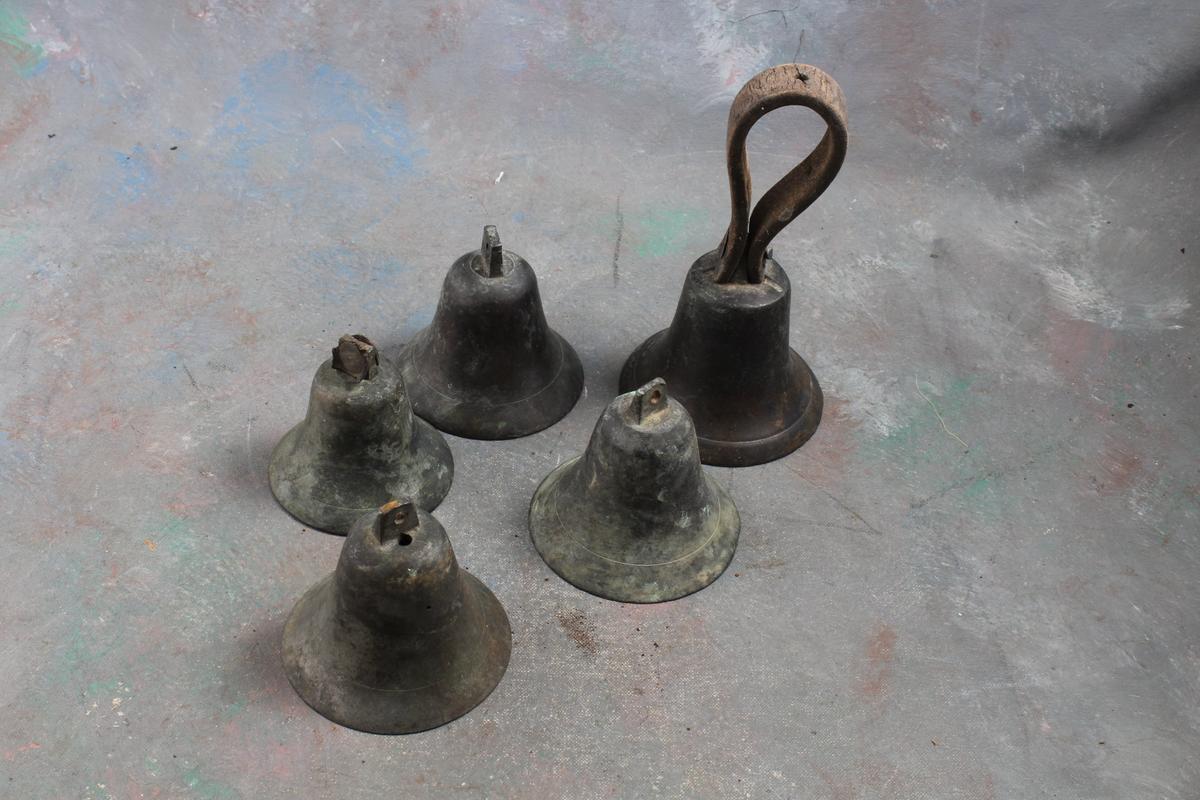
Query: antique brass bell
[[726, 355], [635, 518], [488, 366], [398, 639], [359, 445]]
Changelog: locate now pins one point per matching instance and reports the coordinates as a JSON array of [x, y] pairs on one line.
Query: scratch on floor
[[616, 259], [938, 414], [191, 378], [990, 474], [836, 500]]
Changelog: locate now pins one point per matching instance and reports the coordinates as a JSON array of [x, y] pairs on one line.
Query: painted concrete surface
[[978, 580]]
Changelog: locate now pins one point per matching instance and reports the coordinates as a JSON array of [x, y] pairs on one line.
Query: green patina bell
[[489, 366], [398, 639], [635, 518], [359, 445]]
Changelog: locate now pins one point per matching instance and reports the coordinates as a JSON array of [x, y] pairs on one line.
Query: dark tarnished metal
[[359, 445], [726, 354], [398, 639], [635, 518], [489, 367]]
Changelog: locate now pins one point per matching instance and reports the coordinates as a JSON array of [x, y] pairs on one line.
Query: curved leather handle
[[745, 243]]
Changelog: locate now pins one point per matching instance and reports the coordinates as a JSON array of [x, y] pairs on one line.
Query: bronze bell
[[726, 354], [635, 518], [398, 639], [359, 445], [488, 366]]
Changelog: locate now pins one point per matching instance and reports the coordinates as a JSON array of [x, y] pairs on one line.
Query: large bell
[[726, 354], [488, 366], [398, 639], [359, 445], [635, 518]]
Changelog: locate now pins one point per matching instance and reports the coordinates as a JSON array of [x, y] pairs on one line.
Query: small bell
[[488, 366], [359, 445], [635, 519], [398, 639], [726, 354]]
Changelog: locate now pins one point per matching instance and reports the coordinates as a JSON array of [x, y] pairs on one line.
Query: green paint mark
[[28, 57], [911, 442], [235, 708], [13, 245], [978, 491], [206, 789], [174, 534], [98, 791], [107, 687], [663, 231], [8, 306]]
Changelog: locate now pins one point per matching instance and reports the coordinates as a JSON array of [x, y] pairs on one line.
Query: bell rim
[[745, 452], [540, 530], [425, 438], [495, 421], [494, 669]]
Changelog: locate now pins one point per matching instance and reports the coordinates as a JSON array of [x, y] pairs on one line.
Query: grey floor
[[978, 580]]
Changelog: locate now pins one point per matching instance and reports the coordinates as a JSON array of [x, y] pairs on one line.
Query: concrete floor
[[978, 580]]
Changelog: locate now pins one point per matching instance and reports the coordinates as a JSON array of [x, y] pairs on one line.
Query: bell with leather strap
[[726, 354], [359, 445], [635, 518], [398, 639], [489, 366]]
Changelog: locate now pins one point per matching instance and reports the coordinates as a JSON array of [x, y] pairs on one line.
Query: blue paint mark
[[292, 111], [343, 275], [168, 371], [518, 217], [14, 453], [135, 173], [36, 68]]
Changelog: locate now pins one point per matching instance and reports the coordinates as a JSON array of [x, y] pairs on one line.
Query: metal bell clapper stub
[[398, 639], [359, 444], [489, 366], [635, 518], [726, 355]]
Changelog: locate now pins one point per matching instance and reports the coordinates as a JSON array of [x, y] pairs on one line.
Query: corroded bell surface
[[726, 354], [635, 518], [398, 639], [488, 366], [727, 358], [359, 445]]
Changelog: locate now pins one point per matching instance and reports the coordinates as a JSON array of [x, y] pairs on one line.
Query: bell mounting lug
[[650, 401], [396, 520], [356, 357], [490, 263]]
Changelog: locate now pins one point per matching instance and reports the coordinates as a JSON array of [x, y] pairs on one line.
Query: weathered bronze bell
[[635, 518], [726, 354], [359, 444], [398, 639], [488, 366]]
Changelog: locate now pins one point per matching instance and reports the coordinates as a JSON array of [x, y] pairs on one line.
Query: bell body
[[489, 366], [358, 446], [726, 357], [635, 518], [398, 639]]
